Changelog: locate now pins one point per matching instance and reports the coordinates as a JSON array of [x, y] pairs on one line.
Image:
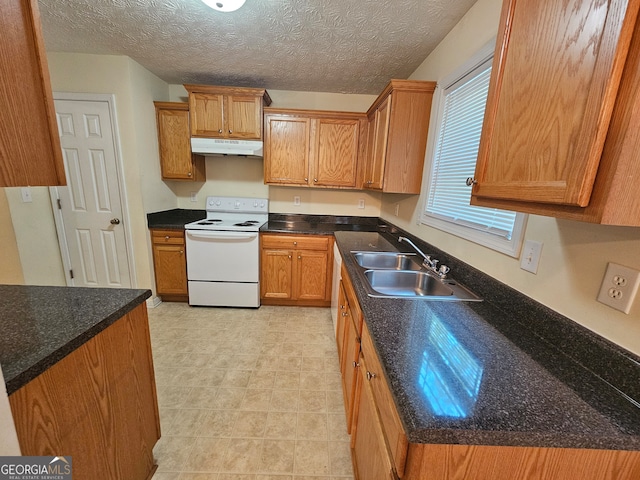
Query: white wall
[[574, 255]]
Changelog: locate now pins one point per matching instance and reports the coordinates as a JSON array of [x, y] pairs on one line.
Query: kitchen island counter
[[505, 371], [40, 325]]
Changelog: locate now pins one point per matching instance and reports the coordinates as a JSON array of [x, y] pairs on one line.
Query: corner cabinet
[[176, 160], [296, 269], [560, 134], [226, 112], [398, 125], [313, 148], [170, 264], [30, 152]]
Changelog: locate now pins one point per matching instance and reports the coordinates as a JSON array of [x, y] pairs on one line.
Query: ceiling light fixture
[[224, 5]]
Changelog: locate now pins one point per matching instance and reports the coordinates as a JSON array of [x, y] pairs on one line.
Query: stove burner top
[[248, 223], [213, 221]]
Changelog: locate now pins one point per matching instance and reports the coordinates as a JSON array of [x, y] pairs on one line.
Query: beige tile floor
[[248, 394]]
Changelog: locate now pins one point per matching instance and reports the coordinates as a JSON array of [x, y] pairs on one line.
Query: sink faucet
[[428, 262]]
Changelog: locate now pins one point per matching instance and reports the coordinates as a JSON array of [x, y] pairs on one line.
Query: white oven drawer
[[222, 256]]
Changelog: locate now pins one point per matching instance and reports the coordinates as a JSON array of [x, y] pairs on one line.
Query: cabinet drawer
[[392, 426], [295, 242], [173, 237]]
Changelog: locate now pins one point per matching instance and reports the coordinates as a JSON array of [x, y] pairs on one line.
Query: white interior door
[[91, 206]]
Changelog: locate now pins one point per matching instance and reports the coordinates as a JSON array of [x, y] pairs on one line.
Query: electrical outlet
[[397, 210], [619, 287], [531, 256], [26, 195], [296, 200], [361, 203], [194, 196]]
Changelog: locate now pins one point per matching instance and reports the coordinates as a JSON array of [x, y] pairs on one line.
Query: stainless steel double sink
[[400, 275]]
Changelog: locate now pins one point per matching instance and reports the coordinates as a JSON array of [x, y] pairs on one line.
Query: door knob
[[115, 221]]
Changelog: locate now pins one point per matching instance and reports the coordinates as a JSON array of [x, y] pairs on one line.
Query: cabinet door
[[244, 117], [311, 278], [371, 458], [286, 150], [379, 146], [350, 365], [335, 152], [207, 118], [555, 77], [30, 152], [176, 160], [342, 323], [171, 269], [276, 274]]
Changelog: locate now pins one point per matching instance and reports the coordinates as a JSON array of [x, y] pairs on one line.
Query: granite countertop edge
[[51, 358]]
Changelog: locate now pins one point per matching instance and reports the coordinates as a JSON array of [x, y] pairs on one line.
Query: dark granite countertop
[[505, 371], [174, 219], [318, 224], [41, 325]]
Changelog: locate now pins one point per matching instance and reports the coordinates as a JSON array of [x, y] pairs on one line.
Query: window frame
[[512, 246]]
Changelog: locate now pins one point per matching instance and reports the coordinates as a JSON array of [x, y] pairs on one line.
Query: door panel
[[97, 247]]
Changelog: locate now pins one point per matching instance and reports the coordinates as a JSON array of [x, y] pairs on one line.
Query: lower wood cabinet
[[296, 269], [371, 460], [379, 445], [170, 264], [98, 405]]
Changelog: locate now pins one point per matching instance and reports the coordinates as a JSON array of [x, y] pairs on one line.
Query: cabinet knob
[[230, 131], [471, 181], [299, 257], [369, 182], [306, 179], [355, 364], [315, 179], [370, 376], [344, 314], [341, 307], [289, 256], [115, 221], [189, 174], [295, 243], [220, 131], [167, 237], [181, 252]]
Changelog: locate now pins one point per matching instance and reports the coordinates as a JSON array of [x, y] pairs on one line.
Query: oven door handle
[[222, 235]]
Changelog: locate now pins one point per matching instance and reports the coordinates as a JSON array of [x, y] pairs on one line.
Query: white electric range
[[223, 252]]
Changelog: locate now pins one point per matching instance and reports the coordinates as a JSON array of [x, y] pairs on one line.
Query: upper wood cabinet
[[30, 152], [560, 136], [176, 160], [398, 128], [226, 112], [313, 148]]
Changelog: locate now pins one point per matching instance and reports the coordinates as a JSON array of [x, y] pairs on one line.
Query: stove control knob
[[261, 204], [237, 205], [255, 204], [218, 203]]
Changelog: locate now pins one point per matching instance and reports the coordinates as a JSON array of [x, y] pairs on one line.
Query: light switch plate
[[531, 256], [296, 200], [619, 287]]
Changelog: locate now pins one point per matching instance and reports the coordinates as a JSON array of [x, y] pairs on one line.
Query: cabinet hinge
[[71, 272], [59, 204]]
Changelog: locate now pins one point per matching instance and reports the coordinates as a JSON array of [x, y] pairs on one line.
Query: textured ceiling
[[347, 46]]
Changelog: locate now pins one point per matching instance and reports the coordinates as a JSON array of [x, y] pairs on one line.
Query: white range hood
[[219, 146]]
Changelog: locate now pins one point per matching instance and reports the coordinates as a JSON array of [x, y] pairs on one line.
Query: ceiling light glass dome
[[224, 5]]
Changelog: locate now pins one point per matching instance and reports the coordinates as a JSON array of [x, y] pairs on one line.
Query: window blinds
[[456, 154]]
